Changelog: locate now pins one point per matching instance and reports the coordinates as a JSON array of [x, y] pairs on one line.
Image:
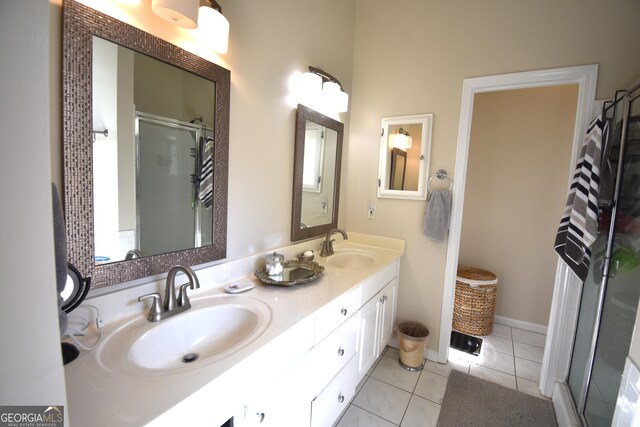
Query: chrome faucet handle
[[327, 244], [154, 311], [170, 304], [170, 301], [324, 251], [183, 298], [327, 247]]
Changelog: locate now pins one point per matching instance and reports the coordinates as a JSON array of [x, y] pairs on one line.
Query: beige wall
[[167, 91], [269, 41], [518, 168], [443, 43], [126, 145]]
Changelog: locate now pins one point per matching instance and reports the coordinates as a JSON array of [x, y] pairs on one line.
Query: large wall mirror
[[405, 143], [146, 140], [316, 176]]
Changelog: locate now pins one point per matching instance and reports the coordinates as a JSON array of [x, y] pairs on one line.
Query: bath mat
[[471, 401]]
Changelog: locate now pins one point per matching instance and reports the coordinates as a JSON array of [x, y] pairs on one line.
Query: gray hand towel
[[438, 215], [60, 249]]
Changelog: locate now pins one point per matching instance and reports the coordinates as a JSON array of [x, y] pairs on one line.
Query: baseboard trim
[[393, 342], [521, 324]]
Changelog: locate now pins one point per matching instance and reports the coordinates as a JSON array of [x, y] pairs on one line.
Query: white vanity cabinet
[[300, 370], [321, 382], [328, 318], [374, 323], [349, 335], [377, 321], [280, 407], [335, 398], [389, 303]]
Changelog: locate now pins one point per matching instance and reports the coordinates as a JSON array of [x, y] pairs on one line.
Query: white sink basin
[[351, 259], [214, 328]]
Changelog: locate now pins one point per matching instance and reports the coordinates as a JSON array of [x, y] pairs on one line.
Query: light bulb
[[311, 89], [183, 13], [213, 29]]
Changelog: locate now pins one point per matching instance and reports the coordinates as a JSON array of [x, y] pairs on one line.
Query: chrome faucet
[[132, 254], [327, 245], [171, 305]]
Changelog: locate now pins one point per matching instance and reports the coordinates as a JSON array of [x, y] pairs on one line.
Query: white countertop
[[97, 396]]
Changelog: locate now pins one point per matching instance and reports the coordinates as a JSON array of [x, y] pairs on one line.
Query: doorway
[[585, 77], [520, 147]]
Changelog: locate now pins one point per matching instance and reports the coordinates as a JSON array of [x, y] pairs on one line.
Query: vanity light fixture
[[401, 140], [213, 27], [183, 13], [309, 89], [320, 87]]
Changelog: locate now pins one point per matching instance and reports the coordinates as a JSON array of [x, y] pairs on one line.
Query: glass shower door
[[588, 318], [166, 164], [609, 305], [623, 290]]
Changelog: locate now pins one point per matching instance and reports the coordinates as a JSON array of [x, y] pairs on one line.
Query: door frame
[[560, 327]]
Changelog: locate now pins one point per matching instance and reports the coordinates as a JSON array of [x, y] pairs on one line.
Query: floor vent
[[467, 343]]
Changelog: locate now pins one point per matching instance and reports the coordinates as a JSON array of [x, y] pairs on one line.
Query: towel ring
[[440, 174]]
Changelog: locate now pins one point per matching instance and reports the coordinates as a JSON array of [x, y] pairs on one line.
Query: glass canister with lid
[[274, 264]]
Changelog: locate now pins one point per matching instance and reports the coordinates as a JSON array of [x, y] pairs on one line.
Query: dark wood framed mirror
[[316, 174], [82, 25]]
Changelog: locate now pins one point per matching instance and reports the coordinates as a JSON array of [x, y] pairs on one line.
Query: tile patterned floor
[[392, 396]]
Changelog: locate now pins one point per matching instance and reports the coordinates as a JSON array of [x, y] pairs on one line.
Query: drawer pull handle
[[341, 352], [260, 417], [343, 311], [340, 398]]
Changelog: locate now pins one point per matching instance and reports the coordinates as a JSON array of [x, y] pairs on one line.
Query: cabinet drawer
[[335, 313], [332, 354], [330, 403]]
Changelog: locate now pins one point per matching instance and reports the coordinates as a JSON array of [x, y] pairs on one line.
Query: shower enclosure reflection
[[148, 170]]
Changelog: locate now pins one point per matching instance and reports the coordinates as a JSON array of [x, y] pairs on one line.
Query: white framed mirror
[[405, 145]]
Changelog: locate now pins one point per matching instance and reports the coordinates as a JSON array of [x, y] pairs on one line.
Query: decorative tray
[[295, 273]]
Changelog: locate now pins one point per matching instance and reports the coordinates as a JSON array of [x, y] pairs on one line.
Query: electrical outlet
[[371, 210]]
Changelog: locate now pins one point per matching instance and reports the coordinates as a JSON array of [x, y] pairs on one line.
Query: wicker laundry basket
[[475, 301]]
